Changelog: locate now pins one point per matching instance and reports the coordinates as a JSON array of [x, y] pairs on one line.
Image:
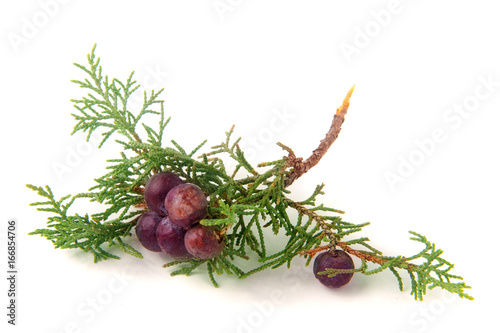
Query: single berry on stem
[[186, 204], [157, 188], [336, 259], [171, 239], [203, 241], [145, 230]]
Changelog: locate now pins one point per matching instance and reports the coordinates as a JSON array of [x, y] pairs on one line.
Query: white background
[[240, 65]]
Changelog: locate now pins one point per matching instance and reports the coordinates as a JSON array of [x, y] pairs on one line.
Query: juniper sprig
[[247, 209]]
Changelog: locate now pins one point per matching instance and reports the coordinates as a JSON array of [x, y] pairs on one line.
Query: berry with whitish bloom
[[203, 241], [186, 204], [337, 259]]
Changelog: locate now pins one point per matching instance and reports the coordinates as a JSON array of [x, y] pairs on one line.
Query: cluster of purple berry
[[172, 225]]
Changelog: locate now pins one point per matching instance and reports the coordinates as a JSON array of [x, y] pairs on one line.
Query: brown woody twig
[[299, 166]]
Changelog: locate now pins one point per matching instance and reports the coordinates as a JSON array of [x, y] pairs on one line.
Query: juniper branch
[[241, 208]]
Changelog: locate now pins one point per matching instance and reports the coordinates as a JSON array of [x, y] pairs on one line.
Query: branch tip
[[345, 104], [298, 164]]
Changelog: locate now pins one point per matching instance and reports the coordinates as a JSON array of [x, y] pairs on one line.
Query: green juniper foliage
[[247, 209]]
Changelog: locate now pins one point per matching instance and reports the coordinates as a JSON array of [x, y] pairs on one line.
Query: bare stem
[[299, 166]]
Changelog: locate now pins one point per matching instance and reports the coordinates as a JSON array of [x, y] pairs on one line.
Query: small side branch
[[299, 166], [322, 223]]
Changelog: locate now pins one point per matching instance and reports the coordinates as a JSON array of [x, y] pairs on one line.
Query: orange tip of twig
[[345, 103], [349, 93]]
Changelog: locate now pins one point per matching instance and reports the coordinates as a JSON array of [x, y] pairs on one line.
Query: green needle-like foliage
[[249, 210], [76, 231]]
